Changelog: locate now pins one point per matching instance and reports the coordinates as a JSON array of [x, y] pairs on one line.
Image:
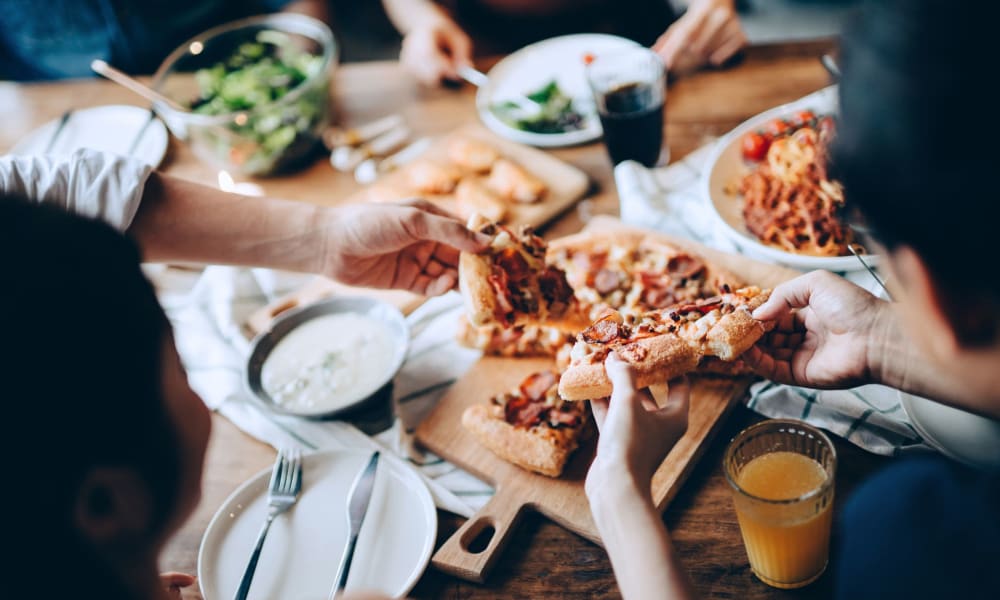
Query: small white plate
[[531, 67], [105, 128], [957, 434], [303, 549], [726, 166]]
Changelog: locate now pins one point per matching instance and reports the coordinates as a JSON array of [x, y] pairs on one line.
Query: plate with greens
[[551, 75]]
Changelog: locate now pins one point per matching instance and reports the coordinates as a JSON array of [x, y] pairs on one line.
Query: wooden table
[[543, 560]]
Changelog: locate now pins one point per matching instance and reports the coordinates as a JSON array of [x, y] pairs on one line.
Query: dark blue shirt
[[923, 528], [55, 39]]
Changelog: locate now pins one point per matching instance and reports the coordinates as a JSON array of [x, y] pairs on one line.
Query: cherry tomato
[[755, 146], [804, 116], [777, 127]]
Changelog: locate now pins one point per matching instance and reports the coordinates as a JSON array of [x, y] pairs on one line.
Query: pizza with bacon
[[665, 343], [510, 281], [634, 273], [530, 426], [522, 339]]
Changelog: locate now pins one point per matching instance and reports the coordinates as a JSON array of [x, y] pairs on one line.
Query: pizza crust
[[539, 449], [655, 360], [733, 335], [474, 285]]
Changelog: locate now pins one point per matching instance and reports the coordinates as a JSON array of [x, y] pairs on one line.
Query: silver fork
[[282, 492]]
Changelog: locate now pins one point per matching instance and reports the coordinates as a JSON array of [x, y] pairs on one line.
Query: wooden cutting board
[[566, 184], [563, 499]]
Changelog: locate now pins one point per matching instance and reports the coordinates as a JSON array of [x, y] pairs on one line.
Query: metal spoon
[[857, 251], [102, 68], [479, 79]]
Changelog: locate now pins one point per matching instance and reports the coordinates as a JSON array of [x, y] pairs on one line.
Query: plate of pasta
[[771, 192]]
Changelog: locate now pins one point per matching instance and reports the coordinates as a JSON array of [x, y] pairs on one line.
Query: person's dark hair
[[917, 147], [83, 339]]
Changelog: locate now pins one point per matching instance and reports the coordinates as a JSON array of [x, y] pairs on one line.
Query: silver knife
[[357, 507]]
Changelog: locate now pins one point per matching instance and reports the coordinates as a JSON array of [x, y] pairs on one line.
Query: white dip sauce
[[328, 362]]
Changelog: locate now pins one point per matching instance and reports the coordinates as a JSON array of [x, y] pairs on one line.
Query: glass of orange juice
[[782, 473]]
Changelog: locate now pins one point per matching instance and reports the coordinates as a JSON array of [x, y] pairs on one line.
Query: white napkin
[[207, 312], [672, 199]]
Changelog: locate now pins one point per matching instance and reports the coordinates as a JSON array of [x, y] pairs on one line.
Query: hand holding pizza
[[635, 433], [410, 246], [827, 333]]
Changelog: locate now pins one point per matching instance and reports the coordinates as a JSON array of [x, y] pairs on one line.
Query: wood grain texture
[[563, 500], [566, 184]]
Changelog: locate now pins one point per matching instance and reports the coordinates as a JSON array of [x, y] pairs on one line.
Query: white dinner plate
[[300, 556], [726, 166], [531, 67], [111, 129], [957, 434]]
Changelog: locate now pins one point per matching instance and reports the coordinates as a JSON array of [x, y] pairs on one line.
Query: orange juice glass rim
[[791, 422]]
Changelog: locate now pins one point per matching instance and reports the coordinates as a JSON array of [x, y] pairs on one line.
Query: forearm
[[408, 14], [898, 361], [185, 222], [636, 540]]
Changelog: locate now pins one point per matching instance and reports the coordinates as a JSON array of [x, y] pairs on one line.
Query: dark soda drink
[[632, 118]]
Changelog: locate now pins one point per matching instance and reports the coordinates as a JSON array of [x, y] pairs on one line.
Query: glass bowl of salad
[[252, 96]]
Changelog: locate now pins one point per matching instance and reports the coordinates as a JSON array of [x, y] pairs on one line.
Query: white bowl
[[960, 435], [264, 343], [726, 166]]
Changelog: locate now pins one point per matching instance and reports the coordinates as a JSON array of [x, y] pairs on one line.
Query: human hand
[[828, 333], [411, 246], [635, 433], [175, 582], [708, 33], [434, 49]]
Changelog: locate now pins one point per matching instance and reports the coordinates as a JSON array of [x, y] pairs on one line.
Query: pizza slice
[[522, 339], [530, 426], [634, 273], [663, 344], [510, 282]]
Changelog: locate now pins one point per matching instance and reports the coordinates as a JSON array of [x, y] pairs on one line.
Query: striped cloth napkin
[[672, 200], [207, 311]]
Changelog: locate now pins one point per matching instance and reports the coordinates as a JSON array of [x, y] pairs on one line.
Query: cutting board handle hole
[[478, 537]]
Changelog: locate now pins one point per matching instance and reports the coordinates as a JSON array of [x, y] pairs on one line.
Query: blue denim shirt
[[55, 39]]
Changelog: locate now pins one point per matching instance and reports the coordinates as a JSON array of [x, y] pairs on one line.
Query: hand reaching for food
[[411, 246], [828, 333], [435, 48], [635, 433], [708, 33]]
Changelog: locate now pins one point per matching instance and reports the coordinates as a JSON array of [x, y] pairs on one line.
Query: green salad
[[265, 133], [557, 114]]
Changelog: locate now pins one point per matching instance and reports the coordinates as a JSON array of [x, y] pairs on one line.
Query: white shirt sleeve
[[89, 183]]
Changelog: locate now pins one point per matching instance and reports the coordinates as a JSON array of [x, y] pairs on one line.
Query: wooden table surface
[[543, 559]]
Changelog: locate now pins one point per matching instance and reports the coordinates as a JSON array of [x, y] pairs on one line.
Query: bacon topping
[[536, 384], [513, 263], [684, 266], [607, 281], [604, 331], [554, 286]]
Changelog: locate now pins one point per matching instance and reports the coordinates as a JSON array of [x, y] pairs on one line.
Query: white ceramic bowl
[[726, 166], [960, 435], [264, 343]]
